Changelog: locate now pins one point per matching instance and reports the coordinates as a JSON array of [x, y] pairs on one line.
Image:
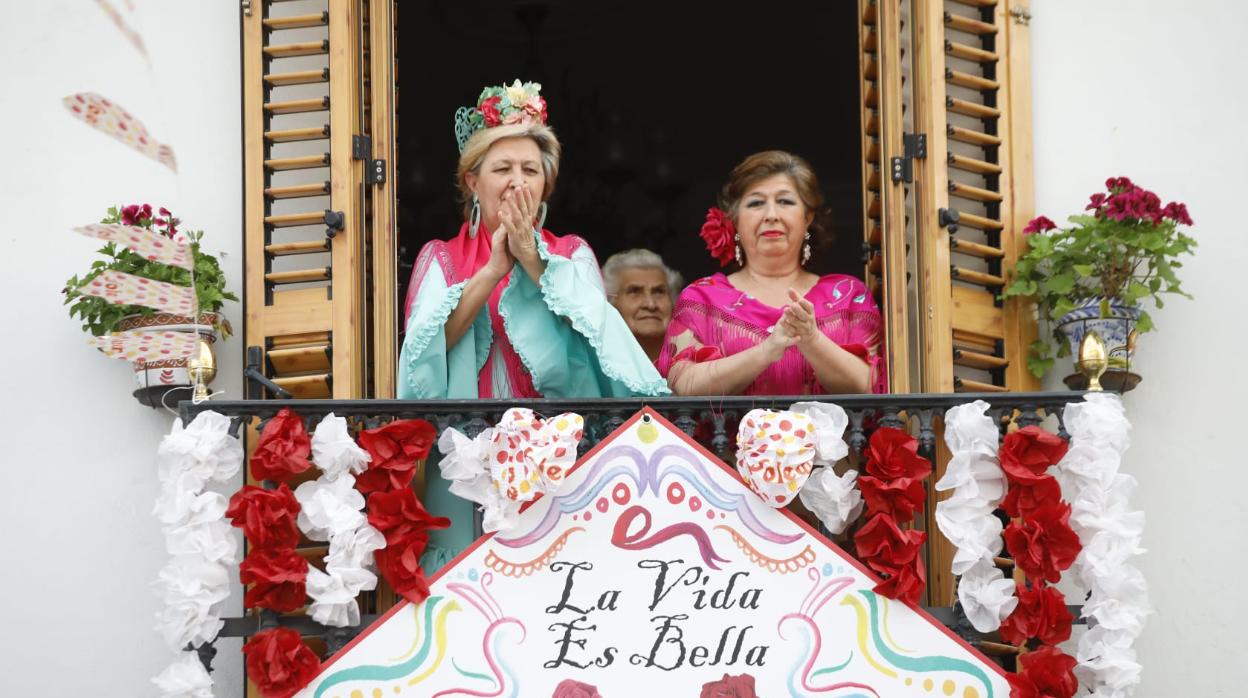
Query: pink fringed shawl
[[460, 258], [725, 321]]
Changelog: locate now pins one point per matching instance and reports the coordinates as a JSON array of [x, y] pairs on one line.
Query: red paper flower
[[906, 582], [1043, 545], [395, 449], [279, 663], [719, 234], [1027, 453], [1039, 224], [489, 110], [283, 448], [1025, 497], [1041, 613], [399, 564], [1047, 673], [898, 498], [892, 454], [570, 688], [741, 686], [399, 514], [278, 579], [268, 517]]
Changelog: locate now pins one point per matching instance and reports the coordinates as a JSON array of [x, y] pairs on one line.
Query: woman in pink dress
[[771, 327]]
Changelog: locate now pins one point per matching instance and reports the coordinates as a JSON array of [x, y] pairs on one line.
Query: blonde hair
[[480, 143]]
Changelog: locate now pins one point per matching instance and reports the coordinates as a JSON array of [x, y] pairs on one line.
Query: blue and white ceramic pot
[[1113, 320]]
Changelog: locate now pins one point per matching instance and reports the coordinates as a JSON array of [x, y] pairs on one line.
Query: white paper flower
[[212, 540], [204, 448], [354, 548], [833, 498], [329, 507], [185, 677], [830, 422], [987, 597], [334, 451], [333, 603]]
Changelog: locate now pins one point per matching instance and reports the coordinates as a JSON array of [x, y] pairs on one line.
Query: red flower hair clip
[[720, 236]]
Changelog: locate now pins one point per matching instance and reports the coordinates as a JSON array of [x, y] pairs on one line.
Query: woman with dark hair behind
[[772, 327]]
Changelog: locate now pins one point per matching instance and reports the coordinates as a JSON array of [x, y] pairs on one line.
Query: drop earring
[[806, 249], [736, 239], [474, 217]]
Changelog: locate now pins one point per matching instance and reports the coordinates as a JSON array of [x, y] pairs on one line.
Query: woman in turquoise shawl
[[506, 308]]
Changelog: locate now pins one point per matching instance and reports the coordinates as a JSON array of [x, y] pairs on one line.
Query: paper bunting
[[110, 118], [140, 345], [126, 30], [148, 243], [121, 288]]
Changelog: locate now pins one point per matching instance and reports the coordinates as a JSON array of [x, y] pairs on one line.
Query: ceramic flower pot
[[1115, 322], [167, 381]]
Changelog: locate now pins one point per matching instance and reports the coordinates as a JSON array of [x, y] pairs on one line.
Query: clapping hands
[[516, 218], [796, 327]]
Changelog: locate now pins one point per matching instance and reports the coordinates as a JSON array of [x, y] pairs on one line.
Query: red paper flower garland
[[277, 660], [893, 492], [393, 508], [1043, 546]]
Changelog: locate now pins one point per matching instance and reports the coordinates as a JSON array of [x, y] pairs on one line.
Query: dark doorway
[[654, 103]]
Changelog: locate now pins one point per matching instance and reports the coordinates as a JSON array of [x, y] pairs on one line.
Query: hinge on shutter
[[362, 149], [334, 221], [915, 147]]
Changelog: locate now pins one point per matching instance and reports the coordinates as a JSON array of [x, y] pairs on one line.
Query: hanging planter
[[166, 381]]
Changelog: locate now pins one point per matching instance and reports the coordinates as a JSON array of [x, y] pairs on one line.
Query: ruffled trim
[[418, 338], [583, 327]]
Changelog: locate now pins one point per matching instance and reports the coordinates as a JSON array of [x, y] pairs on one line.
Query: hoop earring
[[541, 217], [474, 217], [806, 249], [737, 249]]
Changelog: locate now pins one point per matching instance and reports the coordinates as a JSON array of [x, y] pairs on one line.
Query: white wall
[[1151, 89], [1155, 90], [80, 546]]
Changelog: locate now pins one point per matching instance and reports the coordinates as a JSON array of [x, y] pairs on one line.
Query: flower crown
[[516, 103]]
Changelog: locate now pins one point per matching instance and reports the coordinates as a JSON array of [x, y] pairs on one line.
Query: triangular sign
[[652, 572]]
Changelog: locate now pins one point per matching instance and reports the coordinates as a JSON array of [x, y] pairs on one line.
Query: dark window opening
[[654, 102]]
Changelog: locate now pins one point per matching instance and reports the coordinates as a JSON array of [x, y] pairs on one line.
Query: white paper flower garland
[[1110, 533], [195, 583], [831, 497], [332, 510], [966, 518]]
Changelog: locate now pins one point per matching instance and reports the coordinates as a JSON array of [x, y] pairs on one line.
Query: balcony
[[711, 421]]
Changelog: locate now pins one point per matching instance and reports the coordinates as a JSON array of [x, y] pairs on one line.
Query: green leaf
[[1145, 324], [1062, 283], [1084, 269]]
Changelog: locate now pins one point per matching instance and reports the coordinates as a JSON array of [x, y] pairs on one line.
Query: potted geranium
[[1093, 275], [100, 316]]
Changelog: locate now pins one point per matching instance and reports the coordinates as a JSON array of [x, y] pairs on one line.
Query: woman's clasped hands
[[796, 327]]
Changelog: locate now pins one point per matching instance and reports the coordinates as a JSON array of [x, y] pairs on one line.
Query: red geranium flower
[[1039, 224], [395, 449], [898, 498], [1044, 544], [719, 234], [1041, 613], [399, 564], [267, 517], [278, 579], [1027, 453], [1118, 184], [399, 513], [892, 454], [1177, 212], [283, 448], [1096, 202], [1047, 673], [1025, 497], [489, 110], [279, 663], [741, 686]]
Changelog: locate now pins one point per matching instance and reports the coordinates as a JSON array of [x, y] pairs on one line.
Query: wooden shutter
[[303, 202], [884, 196], [972, 101]]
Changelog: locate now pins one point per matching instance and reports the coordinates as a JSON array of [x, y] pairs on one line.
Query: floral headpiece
[[720, 236], [516, 103]]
